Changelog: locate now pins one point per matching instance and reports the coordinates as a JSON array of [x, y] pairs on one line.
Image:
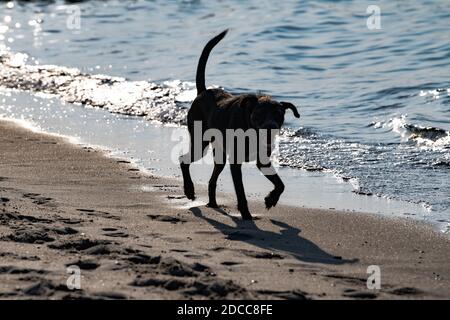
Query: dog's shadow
[[287, 241]]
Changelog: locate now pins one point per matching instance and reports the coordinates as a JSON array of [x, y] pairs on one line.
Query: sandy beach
[[135, 236]]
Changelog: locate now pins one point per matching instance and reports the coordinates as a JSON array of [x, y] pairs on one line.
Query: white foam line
[[33, 127]]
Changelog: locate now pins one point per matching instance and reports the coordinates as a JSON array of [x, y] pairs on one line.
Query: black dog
[[218, 109]]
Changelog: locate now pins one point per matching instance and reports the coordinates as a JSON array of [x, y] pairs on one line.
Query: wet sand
[[136, 236]]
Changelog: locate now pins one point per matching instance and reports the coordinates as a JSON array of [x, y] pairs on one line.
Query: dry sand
[[136, 236]]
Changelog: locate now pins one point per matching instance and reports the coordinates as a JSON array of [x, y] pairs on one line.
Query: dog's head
[[265, 113]]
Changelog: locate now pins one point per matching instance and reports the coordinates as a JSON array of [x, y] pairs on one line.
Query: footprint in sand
[[206, 287], [29, 236], [141, 258], [84, 264], [115, 233], [406, 291], [171, 285], [288, 295], [261, 255], [100, 214], [100, 250], [4, 200], [19, 257], [348, 279], [20, 217], [70, 221], [86, 210], [360, 295], [178, 250], [78, 245], [207, 232], [44, 288], [19, 270], [163, 218], [64, 231], [109, 229], [39, 200], [111, 295], [169, 265], [230, 263], [196, 256]]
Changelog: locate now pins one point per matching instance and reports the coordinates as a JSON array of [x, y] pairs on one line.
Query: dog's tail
[[200, 79]]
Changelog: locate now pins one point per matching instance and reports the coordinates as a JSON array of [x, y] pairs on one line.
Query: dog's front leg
[[236, 173], [270, 173], [185, 162], [212, 185]]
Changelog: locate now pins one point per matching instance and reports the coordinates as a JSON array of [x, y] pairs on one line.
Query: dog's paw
[[245, 213], [212, 205], [272, 199], [189, 192]]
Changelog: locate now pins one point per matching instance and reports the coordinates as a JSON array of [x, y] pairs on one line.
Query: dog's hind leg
[[236, 173], [185, 162], [212, 185], [269, 172]]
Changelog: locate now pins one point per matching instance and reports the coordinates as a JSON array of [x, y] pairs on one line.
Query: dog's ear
[[249, 102], [288, 105]]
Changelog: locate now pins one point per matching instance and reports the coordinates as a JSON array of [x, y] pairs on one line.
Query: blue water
[[375, 104]]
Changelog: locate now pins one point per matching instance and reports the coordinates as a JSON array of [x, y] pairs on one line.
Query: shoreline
[[152, 147], [136, 236]]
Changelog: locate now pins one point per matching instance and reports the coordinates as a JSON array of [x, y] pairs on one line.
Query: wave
[[423, 136], [166, 103]]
